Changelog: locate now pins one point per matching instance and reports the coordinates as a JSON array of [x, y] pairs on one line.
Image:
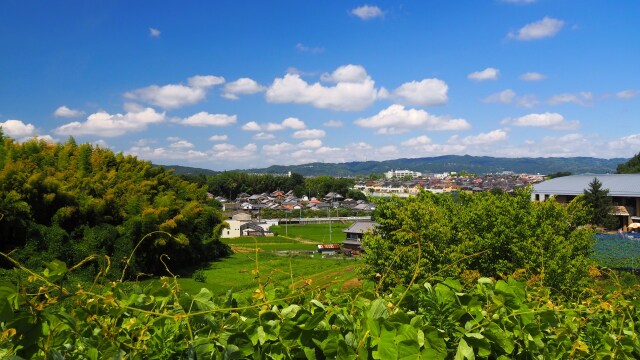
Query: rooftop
[[617, 184]]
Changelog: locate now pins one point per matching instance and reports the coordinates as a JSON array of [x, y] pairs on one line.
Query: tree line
[[69, 201]]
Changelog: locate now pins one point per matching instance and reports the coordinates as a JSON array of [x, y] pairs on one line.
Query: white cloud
[[313, 50], [527, 101], [626, 142], [17, 129], [504, 97], [354, 90], [181, 144], [309, 134], [485, 138], [251, 126], [174, 96], [584, 98], [549, 120], [173, 138], [205, 119], [628, 94], [396, 119], [154, 32], [366, 12], [388, 150], [242, 86], [263, 136], [425, 92], [532, 76], [486, 74], [293, 123], [111, 125], [288, 123], [65, 112], [333, 123], [228, 152], [218, 138], [162, 154], [547, 27], [277, 149], [314, 143], [420, 140]]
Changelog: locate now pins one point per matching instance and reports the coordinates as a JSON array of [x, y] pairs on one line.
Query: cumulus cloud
[[309, 134], [17, 129], [314, 143], [584, 98], [486, 74], [549, 120], [242, 86], [65, 112], [288, 123], [277, 149], [251, 126], [153, 32], [547, 27], [163, 154], [263, 136], [112, 125], [353, 90], [532, 76], [218, 138], [307, 49], [396, 119], [181, 144], [229, 152], [367, 12], [425, 92], [485, 138], [205, 119], [627, 94], [333, 123], [175, 96], [420, 140], [504, 97], [626, 142]]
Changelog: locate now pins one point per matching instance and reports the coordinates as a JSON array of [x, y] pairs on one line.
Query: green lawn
[[314, 232], [251, 240]]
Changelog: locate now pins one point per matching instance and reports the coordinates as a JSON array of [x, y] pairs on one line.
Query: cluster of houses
[[447, 182], [279, 200]]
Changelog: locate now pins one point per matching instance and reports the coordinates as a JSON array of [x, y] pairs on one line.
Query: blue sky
[[242, 84]]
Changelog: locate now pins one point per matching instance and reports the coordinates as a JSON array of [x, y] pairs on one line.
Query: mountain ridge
[[437, 164]]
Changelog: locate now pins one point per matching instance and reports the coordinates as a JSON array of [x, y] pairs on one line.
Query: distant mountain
[[448, 163], [186, 170]]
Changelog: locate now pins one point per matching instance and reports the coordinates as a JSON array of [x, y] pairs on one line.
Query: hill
[[448, 163]]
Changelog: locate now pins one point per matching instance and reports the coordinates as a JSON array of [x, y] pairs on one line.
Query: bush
[[199, 276]]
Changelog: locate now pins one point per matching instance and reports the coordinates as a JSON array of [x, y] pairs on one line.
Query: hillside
[[447, 163]]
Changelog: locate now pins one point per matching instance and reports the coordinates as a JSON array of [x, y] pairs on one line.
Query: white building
[[402, 173]]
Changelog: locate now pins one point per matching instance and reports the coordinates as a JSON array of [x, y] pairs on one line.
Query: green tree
[[632, 166], [600, 205], [493, 234]]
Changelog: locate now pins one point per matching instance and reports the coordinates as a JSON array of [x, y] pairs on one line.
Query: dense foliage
[[440, 319], [69, 201], [229, 184], [486, 233], [632, 166]]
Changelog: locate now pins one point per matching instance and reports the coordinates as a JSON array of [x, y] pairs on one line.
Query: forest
[[70, 201]]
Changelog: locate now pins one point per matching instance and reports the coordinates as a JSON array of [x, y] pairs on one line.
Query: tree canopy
[[630, 167], [487, 234], [69, 201]]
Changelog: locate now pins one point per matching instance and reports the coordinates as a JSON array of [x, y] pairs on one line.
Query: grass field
[[314, 232], [236, 272]]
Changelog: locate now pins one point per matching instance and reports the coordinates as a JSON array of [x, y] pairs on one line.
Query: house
[[356, 232], [241, 224], [624, 189]]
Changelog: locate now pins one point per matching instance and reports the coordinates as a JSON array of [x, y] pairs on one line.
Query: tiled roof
[[617, 184], [361, 227]]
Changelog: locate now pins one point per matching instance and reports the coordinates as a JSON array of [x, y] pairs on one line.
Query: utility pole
[[286, 224]]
